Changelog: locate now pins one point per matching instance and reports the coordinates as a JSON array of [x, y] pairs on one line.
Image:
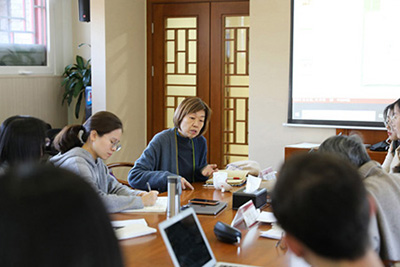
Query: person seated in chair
[[83, 149], [181, 150], [383, 187], [321, 203]]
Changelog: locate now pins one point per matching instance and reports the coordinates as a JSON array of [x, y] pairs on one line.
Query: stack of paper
[[275, 233], [272, 233], [131, 228], [266, 217]]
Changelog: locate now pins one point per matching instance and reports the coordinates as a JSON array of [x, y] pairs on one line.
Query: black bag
[[381, 146]]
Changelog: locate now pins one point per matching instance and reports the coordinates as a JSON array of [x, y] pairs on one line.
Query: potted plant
[[77, 77]]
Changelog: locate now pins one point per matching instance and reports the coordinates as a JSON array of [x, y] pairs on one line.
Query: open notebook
[[186, 242], [235, 177], [160, 206]]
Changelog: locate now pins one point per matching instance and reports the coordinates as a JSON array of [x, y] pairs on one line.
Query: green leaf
[[78, 88], [80, 62], [70, 86], [87, 65], [78, 105], [64, 82]]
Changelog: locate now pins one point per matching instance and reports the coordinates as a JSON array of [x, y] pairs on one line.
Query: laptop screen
[[187, 242]]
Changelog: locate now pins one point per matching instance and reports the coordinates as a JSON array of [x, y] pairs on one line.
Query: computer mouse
[[227, 233]]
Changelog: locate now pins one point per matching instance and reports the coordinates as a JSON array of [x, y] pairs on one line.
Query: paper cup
[[219, 178]]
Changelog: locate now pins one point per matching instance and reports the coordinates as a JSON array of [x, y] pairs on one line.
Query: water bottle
[[174, 195]]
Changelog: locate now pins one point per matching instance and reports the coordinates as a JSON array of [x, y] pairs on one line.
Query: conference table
[[150, 250]]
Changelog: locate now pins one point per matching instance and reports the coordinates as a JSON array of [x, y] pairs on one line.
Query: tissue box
[[259, 198]]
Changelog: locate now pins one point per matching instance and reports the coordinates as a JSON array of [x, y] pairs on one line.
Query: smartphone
[[202, 201]]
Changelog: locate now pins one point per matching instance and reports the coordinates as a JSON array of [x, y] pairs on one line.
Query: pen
[[148, 187]]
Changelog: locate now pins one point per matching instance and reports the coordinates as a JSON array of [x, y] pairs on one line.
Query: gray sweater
[[385, 228], [115, 196]]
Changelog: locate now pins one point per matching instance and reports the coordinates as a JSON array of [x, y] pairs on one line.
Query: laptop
[[186, 242]]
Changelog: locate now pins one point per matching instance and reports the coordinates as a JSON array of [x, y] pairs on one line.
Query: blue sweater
[[158, 161]]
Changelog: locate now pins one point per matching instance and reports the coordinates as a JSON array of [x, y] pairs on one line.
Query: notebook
[[159, 206], [208, 209], [235, 177], [125, 229], [186, 242]]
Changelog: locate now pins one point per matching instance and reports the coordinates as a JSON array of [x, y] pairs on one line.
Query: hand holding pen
[[149, 198]]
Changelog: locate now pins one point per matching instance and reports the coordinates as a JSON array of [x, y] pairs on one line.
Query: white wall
[[38, 96], [119, 72], [269, 81]]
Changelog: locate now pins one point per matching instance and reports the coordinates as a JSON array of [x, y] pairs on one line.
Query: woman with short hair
[[181, 150]]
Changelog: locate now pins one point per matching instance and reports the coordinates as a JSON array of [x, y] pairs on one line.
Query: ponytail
[[102, 122], [69, 137]]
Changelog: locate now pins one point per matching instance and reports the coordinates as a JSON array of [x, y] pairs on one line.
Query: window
[[23, 33], [344, 62], [26, 38]]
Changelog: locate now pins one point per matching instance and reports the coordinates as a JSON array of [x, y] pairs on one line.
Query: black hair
[[350, 148], [321, 201], [396, 103], [22, 139], [52, 217], [102, 122], [387, 109]]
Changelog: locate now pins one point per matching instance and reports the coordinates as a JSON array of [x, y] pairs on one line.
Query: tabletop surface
[[252, 249]]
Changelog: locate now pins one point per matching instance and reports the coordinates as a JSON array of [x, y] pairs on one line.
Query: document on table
[[266, 217], [160, 206], [274, 233], [125, 229]]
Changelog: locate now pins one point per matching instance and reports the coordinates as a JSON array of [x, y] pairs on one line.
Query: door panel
[[201, 49], [180, 68], [229, 78]]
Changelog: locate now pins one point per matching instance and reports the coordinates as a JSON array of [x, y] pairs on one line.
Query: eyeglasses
[[115, 145], [387, 122]]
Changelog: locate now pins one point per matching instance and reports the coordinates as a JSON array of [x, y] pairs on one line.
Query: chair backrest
[[118, 165]]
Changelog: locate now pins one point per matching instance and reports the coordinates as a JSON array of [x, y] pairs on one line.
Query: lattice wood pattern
[[180, 63], [236, 88]]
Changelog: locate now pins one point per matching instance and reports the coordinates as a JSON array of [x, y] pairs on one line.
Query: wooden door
[[229, 82], [187, 57]]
